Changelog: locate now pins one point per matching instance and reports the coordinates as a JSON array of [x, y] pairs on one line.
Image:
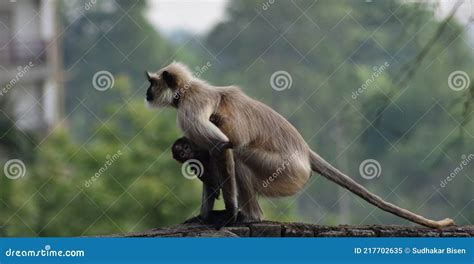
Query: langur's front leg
[[195, 121], [211, 188], [207, 204], [226, 168], [206, 216]]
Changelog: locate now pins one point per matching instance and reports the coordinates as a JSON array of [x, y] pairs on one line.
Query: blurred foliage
[[115, 182], [330, 51], [112, 36]]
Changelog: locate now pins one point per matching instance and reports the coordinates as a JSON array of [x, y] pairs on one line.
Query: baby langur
[[249, 144], [184, 150]]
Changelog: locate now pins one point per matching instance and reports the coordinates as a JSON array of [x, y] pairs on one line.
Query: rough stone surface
[[265, 229], [276, 229]]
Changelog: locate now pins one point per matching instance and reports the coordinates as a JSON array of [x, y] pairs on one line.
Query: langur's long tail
[[321, 166]]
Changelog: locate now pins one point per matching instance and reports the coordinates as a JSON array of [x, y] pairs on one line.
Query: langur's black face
[[159, 93], [149, 93]]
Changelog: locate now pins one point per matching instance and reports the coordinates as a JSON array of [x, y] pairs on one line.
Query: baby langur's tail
[[321, 166]]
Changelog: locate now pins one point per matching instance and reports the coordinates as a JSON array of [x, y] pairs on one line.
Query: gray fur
[[271, 157]]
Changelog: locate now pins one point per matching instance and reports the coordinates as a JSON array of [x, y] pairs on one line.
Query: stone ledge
[[277, 229]]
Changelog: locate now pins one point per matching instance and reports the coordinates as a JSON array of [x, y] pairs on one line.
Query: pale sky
[[199, 16], [464, 13], [196, 16]]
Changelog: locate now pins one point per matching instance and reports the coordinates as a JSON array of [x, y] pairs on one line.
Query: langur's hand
[[219, 148]]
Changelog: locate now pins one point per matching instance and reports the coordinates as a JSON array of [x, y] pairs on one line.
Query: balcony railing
[[17, 54]]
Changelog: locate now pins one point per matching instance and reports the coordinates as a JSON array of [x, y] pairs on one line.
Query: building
[[31, 85]]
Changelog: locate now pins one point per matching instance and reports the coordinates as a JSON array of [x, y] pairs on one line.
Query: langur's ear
[[170, 79], [148, 76]]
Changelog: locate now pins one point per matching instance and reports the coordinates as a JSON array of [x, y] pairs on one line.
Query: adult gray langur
[[249, 143]]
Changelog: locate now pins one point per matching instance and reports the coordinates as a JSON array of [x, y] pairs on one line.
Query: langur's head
[[182, 150], [167, 85]]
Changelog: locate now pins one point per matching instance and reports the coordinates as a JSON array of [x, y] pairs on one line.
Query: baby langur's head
[[182, 150], [167, 84]]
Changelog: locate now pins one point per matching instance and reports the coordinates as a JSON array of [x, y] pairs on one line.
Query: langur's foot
[[244, 218], [211, 219], [221, 218], [225, 218]]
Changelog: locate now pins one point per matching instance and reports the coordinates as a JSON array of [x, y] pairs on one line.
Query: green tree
[[111, 36], [332, 48], [123, 180]]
